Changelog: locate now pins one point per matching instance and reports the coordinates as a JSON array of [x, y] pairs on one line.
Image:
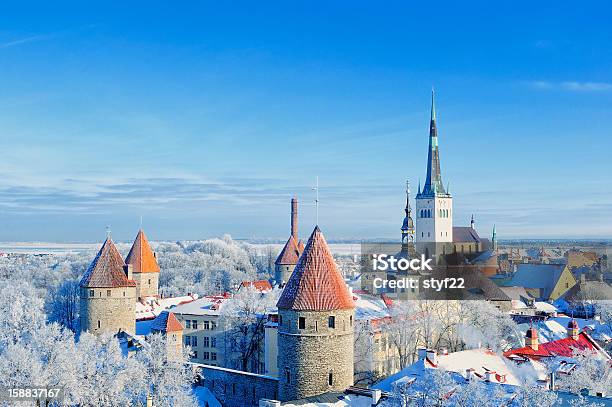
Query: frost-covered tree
[[167, 377], [21, 312], [243, 319], [483, 325], [433, 389], [533, 394], [592, 373], [106, 376], [63, 305], [475, 393], [403, 329]]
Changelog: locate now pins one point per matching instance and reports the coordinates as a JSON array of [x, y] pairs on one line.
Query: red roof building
[[107, 269], [141, 257], [166, 322], [562, 347], [316, 283], [290, 254], [260, 285]]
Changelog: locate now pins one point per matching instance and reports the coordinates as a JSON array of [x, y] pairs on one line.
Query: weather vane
[[108, 231]]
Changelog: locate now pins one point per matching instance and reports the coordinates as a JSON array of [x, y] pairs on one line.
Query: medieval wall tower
[[434, 204], [315, 331], [108, 294], [288, 257], [143, 263]]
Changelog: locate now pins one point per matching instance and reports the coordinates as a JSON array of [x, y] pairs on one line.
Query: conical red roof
[[316, 283], [141, 256], [106, 270], [166, 322], [290, 253]]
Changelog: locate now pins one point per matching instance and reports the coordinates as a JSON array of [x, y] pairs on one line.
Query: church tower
[[108, 294], [315, 330], [434, 204], [408, 230], [288, 257], [143, 264]]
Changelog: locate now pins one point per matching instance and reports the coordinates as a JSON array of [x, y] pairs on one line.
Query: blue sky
[[205, 118]]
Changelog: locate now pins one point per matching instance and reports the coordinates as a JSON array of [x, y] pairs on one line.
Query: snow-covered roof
[[545, 307], [205, 397], [151, 307], [555, 328], [368, 307], [480, 360], [210, 305], [339, 400]]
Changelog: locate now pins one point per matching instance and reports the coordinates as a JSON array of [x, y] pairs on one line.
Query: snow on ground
[[205, 397], [351, 400]]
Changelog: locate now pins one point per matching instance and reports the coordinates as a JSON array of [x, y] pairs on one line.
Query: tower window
[[98, 323], [149, 281], [108, 293], [302, 323], [331, 321], [351, 319], [91, 293], [330, 378], [288, 376]]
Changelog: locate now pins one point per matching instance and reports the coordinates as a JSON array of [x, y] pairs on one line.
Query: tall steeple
[[433, 182], [494, 239], [408, 225]]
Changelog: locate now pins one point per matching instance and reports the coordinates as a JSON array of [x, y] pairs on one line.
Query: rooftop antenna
[[316, 189], [140, 222]]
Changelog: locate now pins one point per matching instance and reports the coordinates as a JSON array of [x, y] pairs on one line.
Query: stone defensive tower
[[288, 257], [315, 331], [143, 263], [108, 294]]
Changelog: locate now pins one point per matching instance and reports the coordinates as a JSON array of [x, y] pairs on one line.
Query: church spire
[[433, 182], [433, 105]]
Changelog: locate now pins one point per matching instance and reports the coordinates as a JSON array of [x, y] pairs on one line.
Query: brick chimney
[[531, 338], [294, 218], [573, 330]]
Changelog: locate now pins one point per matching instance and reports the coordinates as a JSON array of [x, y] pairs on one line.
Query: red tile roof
[[166, 322], [141, 256], [290, 253], [561, 347], [106, 270], [316, 283], [260, 285]]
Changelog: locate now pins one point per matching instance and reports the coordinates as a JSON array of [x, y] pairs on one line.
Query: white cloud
[[573, 86], [20, 41]]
